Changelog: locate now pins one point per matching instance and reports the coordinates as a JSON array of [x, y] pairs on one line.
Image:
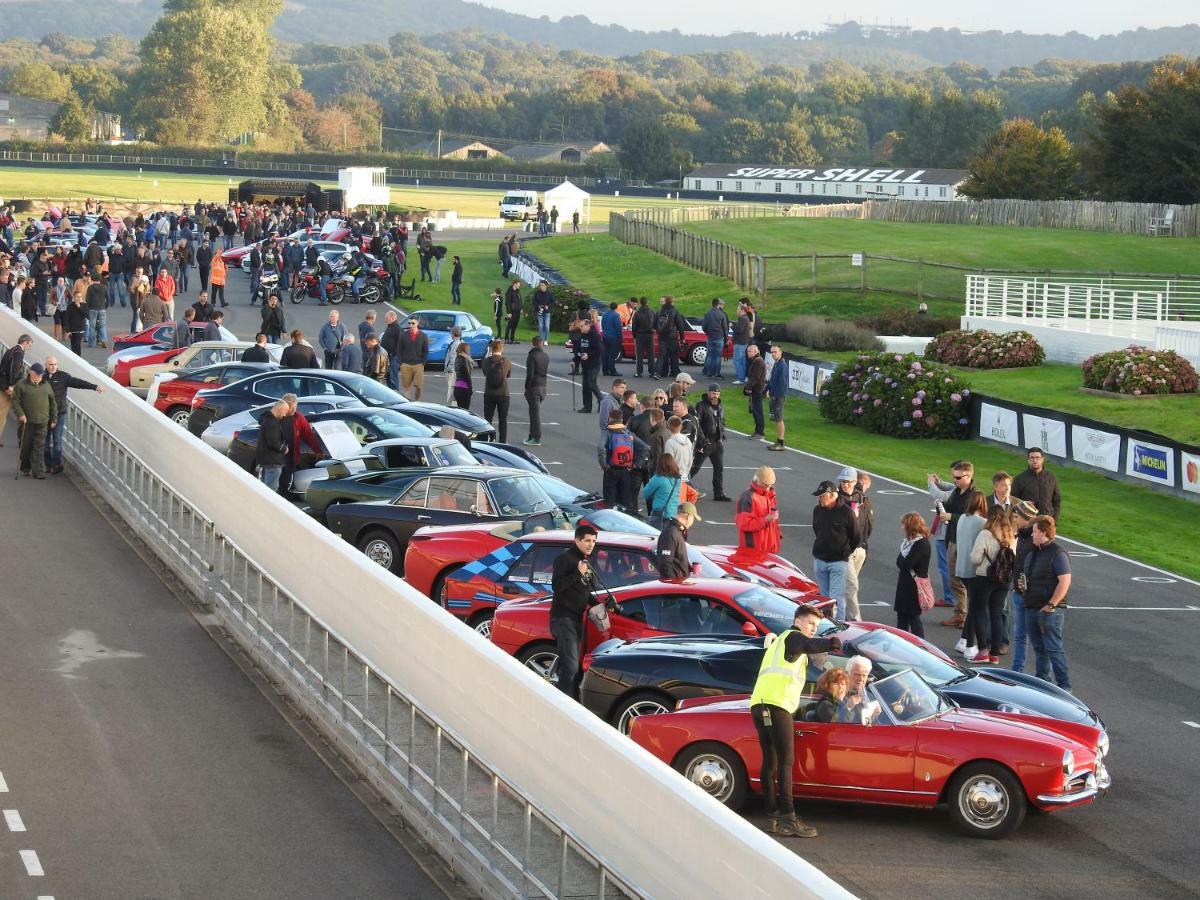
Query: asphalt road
[[1131, 637]]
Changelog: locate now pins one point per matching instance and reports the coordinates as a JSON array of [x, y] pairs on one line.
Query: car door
[[852, 761], [634, 618], [528, 576]]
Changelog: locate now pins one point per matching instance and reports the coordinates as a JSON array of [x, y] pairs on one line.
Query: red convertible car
[[921, 751], [692, 351], [470, 569], [714, 606]]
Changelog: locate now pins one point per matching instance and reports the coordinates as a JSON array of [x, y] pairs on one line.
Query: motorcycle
[[309, 285], [267, 283]]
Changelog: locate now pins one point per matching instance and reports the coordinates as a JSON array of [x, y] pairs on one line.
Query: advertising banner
[[1150, 462], [1191, 472], [1101, 449], [806, 377], [998, 424], [1049, 434]]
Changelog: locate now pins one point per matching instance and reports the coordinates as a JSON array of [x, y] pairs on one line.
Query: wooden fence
[[1079, 215], [681, 214], [704, 254]]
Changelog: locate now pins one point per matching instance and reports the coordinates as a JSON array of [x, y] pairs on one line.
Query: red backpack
[[620, 450]]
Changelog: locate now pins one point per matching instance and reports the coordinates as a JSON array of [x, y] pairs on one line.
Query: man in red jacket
[[758, 514], [297, 430]]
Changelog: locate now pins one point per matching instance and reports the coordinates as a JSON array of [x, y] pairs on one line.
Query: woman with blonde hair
[[992, 555], [913, 563]]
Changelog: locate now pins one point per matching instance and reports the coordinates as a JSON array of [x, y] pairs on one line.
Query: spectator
[[743, 336], [757, 514], [968, 527], [610, 331], [755, 387], [670, 326], [642, 325], [271, 453], [202, 309], [672, 559], [258, 353], [679, 446], [777, 391], [1047, 579], [952, 503], [204, 258], [216, 278], [74, 324], [391, 346], [543, 306], [1023, 514], [537, 368], [1001, 492], [571, 584], [1038, 485], [456, 277], [414, 355], [375, 359], [512, 305], [659, 435], [619, 453], [350, 359], [587, 353], [852, 495], [498, 311], [183, 336], [97, 304], [496, 369], [716, 332], [710, 440], [662, 491], [143, 310], [297, 431], [330, 338], [855, 708], [827, 696], [463, 388], [992, 555], [913, 563], [164, 287], [12, 372], [610, 401], [274, 320], [213, 327], [366, 326], [36, 410], [835, 535], [298, 354]]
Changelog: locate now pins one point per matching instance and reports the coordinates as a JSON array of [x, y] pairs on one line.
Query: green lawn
[[1088, 498]]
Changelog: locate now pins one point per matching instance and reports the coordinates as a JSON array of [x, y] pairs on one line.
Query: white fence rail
[[526, 793], [1097, 299], [1184, 341]]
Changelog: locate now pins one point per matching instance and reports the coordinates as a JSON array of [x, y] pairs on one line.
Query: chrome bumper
[[1096, 785]]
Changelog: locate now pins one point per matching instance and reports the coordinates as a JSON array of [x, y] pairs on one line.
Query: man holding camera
[[572, 584]]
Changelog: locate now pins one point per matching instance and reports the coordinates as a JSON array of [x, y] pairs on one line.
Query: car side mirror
[[749, 629], [696, 571]]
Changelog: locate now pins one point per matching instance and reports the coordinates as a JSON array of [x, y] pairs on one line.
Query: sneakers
[[961, 646], [530, 442], [757, 436], [721, 498], [970, 653], [1003, 650], [954, 622], [982, 657], [737, 382], [778, 446], [994, 660], [792, 826]]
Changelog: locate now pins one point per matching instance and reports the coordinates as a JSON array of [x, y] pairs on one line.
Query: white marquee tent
[[570, 199]]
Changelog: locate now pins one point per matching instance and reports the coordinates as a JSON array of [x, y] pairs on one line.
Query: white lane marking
[[781, 524], [1191, 724], [756, 468], [1152, 579], [1080, 554], [1141, 608], [3, 784], [33, 866], [12, 818], [895, 493]]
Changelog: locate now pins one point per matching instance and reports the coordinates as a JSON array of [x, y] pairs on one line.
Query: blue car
[[436, 323]]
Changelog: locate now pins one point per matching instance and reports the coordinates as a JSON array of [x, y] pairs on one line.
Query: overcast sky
[[718, 16]]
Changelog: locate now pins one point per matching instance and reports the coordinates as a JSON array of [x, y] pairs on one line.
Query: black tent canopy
[[268, 190]]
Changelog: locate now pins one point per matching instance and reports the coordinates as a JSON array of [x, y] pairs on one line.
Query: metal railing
[[1089, 297], [498, 839]]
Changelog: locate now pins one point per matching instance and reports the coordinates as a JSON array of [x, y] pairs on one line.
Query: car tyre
[[716, 770], [180, 415], [643, 703], [986, 800], [698, 354], [542, 658], [438, 592], [382, 548], [482, 623]]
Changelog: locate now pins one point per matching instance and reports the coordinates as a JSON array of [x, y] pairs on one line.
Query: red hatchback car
[[471, 569], [710, 606]]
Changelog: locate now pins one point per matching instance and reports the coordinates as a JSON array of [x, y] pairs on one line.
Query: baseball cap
[[714, 387], [37, 369], [685, 378], [848, 474], [689, 509], [825, 487]]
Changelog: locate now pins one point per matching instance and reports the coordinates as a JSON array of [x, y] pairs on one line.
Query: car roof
[[608, 538], [482, 473], [431, 441]]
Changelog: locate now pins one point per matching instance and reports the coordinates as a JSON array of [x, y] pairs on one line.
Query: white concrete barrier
[[641, 819]]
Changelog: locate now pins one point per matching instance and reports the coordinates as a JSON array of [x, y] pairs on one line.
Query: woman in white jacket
[[986, 597]]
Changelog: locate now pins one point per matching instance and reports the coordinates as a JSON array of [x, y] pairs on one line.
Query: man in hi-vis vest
[[773, 704]]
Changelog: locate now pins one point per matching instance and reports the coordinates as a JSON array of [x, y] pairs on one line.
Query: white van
[[515, 204]]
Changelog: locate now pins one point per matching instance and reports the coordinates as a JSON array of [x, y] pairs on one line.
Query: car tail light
[[197, 402], [587, 661]]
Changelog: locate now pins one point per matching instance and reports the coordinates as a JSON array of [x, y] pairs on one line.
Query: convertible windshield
[[612, 520], [894, 654], [454, 454], [908, 697], [397, 425], [773, 610], [373, 393], [519, 495]]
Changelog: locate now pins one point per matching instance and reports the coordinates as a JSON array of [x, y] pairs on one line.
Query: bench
[[1162, 224]]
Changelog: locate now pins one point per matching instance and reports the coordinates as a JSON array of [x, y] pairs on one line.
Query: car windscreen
[[517, 495], [373, 393], [613, 520], [773, 610], [561, 492], [396, 425], [894, 654], [452, 455], [434, 322], [515, 199]]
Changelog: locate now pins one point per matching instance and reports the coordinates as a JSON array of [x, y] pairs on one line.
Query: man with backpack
[[496, 369], [642, 324], [620, 454], [670, 326]]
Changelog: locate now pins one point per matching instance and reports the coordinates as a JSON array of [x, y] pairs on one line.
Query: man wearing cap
[[710, 440], [835, 535], [851, 495], [757, 514], [716, 329], [36, 409], [672, 559], [12, 370]]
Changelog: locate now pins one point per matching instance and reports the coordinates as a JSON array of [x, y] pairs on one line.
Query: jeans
[[739, 361], [203, 270], [270, 475], [775, 727], [133, 321], [498, 407], [456, 293], [831, 581], [568, 636], [1045, 632], [437, 270], [54, 442], [943, 566], [323, 288], [612, 351], [97, 329], [227, 241], [1020, 639], [590, 389], [183, 279], [756, 410], [543, 326], [116, 291], [534, 400], [712, 360], [393, 373]]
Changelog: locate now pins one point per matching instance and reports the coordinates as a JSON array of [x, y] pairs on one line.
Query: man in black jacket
[[672, 558], [271, 454], [60, 381], [1038, 485], [589, 354], [835, 535], [716, 331], [710, 440], [97, 304], [12, 372], [642, 325], [297, 354], [571, 584], [512, 304], [390, 342], [670, 325], [496, 369], [258, 353], [204, 258], [537, 366], [274, 323]]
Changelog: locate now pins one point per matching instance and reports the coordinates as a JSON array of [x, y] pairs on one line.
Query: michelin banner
[[1150, 462]]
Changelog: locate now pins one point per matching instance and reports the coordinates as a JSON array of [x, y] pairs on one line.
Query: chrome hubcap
[[983, 802], [641, 708], [544, 663], [712, 775], [484, 628], [379, 552], [181, 417]]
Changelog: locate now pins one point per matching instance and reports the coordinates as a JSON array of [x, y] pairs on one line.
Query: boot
[[791, 825]]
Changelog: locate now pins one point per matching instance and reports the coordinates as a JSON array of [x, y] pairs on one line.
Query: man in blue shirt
[[610, 328], [716, 329]]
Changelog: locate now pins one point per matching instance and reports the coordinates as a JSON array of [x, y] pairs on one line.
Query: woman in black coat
[[913, 563], [462, 377]]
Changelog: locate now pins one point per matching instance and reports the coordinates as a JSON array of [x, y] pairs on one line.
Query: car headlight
[[1102, 745], [1068, 763]]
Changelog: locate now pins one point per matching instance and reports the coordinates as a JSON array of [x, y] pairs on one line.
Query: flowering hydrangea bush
[[898, 395], [1138, 370], [986, 349]]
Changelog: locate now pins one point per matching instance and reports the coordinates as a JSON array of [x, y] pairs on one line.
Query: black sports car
[[210, 405], [449, 496], [626, 679]]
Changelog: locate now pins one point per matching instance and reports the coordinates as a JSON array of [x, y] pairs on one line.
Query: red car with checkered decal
[[521, 565]]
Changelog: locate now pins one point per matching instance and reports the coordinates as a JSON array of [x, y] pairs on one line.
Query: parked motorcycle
[[267, 282]]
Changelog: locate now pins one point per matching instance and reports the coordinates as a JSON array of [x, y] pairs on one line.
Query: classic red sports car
[[716, 606], [154, 334], [470, 569], [692, 351], [920, 751], [172, 394], [332, 230]]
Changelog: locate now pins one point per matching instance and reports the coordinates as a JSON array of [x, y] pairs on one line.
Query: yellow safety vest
[[780, 683]]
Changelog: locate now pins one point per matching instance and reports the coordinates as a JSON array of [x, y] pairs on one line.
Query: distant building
[[453, 149], [828, 183], [24, 117], [571, 153]]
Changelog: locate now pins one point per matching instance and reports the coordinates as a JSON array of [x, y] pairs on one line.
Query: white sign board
[[1049, 434], [998, 424], [806, 378], [364, 186], [1101, 449], [856, 259], [1191, 472], [1150, 462]]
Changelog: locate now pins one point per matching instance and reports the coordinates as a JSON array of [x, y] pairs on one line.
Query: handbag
[[599, 616], [924, 593]]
